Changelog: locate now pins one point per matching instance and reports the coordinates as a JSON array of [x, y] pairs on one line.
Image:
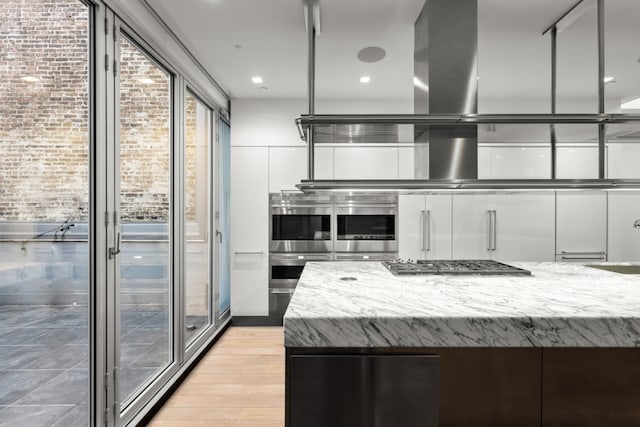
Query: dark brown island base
[[560, 348], [455, 387]]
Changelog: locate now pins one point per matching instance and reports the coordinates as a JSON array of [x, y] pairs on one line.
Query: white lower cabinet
[[249, 235], [624, 238], [581, 223], [504, 227], [424, 230]]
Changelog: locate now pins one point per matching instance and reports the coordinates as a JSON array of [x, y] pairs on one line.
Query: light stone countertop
[[559, 305]]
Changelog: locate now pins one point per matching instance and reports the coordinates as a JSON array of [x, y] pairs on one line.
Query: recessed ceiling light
[[256, 79], [30, 79], [634, 104], [609, 80], [371, 54], [145, 80], [365, 79]]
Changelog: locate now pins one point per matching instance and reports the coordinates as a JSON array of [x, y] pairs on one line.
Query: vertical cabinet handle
[[427, 228], [492, 234], [423, 215], [219, 234], [495, 232], [489, 230]]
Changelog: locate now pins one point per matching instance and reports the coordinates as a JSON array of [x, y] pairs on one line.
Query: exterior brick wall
[[190, 154], [43, 124], [44, 134], [145, 137]]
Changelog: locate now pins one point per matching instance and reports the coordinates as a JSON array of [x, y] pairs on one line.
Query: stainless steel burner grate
[[482, 266]]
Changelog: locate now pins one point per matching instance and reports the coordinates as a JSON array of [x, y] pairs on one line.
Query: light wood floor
[[239, 383]]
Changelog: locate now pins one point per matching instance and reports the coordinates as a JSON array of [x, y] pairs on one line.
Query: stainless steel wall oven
[[366, 223], [325, 228], [300, 223], [284, 271]]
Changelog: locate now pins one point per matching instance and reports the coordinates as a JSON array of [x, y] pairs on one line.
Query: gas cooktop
[[476, 266]]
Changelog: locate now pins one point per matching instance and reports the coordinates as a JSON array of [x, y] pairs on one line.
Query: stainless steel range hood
[[445, 120], [446, 82]]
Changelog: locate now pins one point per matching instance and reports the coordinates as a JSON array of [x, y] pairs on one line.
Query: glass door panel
[[224, 226], [143, 190], [44, 212], [197, 213]]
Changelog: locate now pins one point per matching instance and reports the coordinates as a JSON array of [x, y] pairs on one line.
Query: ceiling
[[238, 39]]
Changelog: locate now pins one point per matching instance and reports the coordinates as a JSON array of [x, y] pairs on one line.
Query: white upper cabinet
[[577, 162], [504, 227], [624, 239], [624, 158], [424, 230], [406, 163], [249, 231], [514, 162], [287, 166], [365, 162], [581, 220], [323, 162]]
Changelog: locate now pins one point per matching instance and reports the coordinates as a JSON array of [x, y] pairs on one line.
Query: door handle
[[219, 234], [115, 250]]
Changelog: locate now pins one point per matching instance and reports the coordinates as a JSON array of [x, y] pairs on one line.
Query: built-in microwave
[[300, 223], [366, 224]]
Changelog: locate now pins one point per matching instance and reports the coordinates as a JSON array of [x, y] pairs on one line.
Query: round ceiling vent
[[371, 54]]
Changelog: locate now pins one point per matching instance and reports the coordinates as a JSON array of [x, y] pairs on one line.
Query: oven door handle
[[281, 291]]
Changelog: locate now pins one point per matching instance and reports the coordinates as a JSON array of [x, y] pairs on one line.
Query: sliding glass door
[[144, 230], [198, 177], [45, 212], [109, 233]]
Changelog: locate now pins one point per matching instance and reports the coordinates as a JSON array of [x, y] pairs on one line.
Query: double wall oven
[[366, 226], [325, 228]]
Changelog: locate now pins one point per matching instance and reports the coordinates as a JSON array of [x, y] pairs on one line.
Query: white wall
[[136, 15]]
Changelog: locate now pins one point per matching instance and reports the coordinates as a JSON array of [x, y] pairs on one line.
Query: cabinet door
[[366, 162], [624, 239], [514, 163], [406, 163], [438, 227], [411, 214], [577, 163], [581, 221], [522, 227], [287, 166], [470, 238], [249, 225], [623, 160], [323, 162]]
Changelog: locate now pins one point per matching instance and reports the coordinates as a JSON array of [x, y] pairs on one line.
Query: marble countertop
[[559, 305]]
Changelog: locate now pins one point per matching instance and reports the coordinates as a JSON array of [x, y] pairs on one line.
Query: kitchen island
[[557, 348]]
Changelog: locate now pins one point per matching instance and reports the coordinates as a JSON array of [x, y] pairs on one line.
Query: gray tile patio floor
[[44, 360]]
